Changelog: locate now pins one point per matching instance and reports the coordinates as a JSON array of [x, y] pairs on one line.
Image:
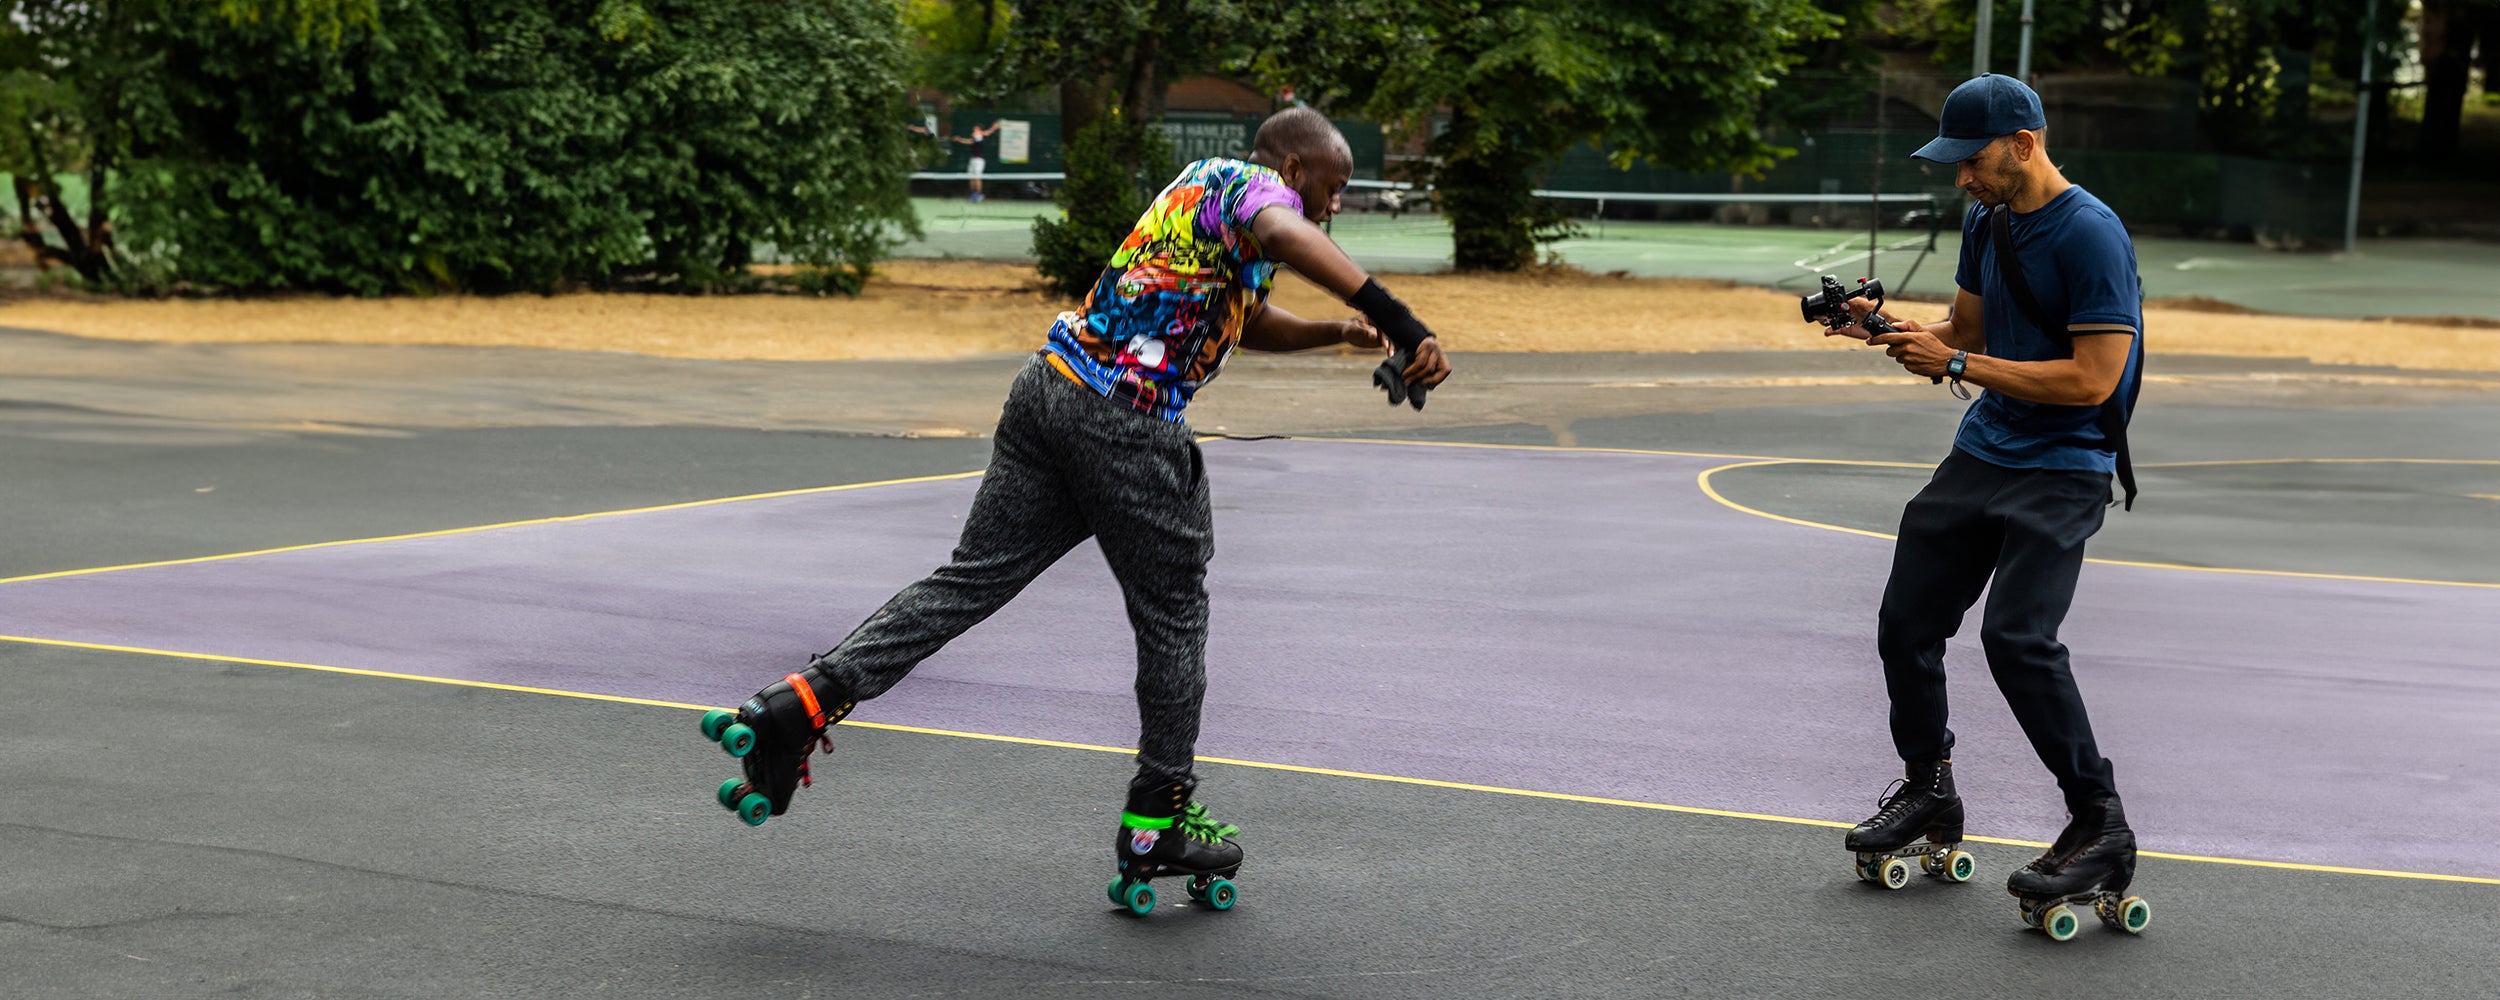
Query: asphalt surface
[[185, 827]]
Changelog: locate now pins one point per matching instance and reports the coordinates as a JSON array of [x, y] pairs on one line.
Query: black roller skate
[[772, 735], [1921, 805], [1164, 833], [2093, 861]]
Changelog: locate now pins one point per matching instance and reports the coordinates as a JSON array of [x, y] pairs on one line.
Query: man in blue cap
[[2046, 320]]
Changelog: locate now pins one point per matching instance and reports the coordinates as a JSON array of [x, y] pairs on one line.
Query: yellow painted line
[[2484, 496], [454, 681], [1713, 493], [491, 527], [1262, 765], [2325, 461], [1498, 447]]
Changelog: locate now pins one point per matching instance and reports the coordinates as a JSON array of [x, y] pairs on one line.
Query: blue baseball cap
[[1979, 111]]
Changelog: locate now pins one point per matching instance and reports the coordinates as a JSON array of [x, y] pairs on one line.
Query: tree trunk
[[1484, 188], [76, 250], [29, 229], [2447, 64], [1082, 102]]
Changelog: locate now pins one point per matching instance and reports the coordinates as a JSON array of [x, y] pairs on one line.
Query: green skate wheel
[[1896, 873], [728, 794], [1198, 888], [716, 720], [1866, 872], [2060, 922], [2130, 915], [755, 809], [1219, 895], [1139, 898], [1959, 866], [1116, 885], [737, 739]]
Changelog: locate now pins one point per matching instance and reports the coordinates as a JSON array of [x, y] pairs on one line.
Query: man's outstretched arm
[[1287, 238]]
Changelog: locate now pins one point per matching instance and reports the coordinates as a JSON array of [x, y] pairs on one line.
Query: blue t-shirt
[[2081, 267]]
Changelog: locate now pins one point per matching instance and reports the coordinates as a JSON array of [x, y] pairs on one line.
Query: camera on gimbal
[[1831, 306]]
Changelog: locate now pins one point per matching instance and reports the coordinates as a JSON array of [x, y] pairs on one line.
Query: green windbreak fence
[[2204, 194], [2189, 192], [1193, 135]]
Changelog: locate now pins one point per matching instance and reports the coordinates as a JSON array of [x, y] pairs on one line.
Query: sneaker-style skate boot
[[772, 735], [2093, 861], [1921, 818], [1164, 833]]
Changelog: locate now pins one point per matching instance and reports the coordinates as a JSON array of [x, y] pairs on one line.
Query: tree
[[1106, 54], [511, 145], [1677, 85], [2450, 29], [77, 89], [1111, 62]]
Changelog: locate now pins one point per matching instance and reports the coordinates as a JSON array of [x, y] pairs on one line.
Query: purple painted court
[[1578, 622]]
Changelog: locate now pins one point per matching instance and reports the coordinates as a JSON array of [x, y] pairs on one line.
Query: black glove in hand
[[1391, 378]]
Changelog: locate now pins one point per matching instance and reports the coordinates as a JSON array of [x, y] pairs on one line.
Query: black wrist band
[[1388, 315]]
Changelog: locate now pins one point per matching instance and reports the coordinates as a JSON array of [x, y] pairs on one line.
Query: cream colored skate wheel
[[1896, 873], [2060, 922], [2130, 914]]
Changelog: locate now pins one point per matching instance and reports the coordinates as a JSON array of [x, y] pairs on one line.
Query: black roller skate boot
[[1164, 833], [1921, 818], [2093, 861], [772, 735]]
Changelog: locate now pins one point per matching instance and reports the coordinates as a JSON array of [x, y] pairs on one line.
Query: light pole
[[1979, 38], [2360, 133], [2022, 63]]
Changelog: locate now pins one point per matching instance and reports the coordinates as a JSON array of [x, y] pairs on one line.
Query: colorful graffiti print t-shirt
[[1168, 310]]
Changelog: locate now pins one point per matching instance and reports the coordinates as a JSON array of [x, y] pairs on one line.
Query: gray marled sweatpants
[[1068, 464]]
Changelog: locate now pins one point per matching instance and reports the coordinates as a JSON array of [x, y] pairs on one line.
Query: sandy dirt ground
[[934, 310]]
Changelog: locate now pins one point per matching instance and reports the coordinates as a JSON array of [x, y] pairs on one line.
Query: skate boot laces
[[1196, 825], [1892, 804]]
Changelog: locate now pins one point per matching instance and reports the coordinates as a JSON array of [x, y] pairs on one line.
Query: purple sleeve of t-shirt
[[1255, 191]]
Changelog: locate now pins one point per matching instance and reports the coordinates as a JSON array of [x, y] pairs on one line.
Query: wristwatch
[[1961, 360]]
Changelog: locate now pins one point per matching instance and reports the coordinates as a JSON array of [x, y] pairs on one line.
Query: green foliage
[[78, 85], [1677, 85], [954, 40], [507, 145], [1116, 54], [2253, 62], [1104, 197]]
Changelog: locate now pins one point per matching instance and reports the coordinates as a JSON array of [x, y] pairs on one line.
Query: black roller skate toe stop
[[1415, 394]]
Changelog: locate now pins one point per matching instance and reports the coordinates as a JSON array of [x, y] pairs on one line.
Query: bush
[[1114, 168], [529, 145]]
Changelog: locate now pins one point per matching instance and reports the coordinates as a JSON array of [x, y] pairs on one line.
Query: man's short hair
[[1303, 131]]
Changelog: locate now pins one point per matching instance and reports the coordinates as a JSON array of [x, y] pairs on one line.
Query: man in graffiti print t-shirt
[[1092, 444]]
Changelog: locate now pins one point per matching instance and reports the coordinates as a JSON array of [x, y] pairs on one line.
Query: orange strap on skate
[[807, 697]]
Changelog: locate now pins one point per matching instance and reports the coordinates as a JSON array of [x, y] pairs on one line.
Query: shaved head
[[1306, 150], [1301, 132]]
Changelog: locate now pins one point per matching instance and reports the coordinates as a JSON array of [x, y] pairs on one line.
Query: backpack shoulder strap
[[2113, 418]]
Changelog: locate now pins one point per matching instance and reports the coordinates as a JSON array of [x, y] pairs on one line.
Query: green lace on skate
[[1192, 821], [1196, 826]]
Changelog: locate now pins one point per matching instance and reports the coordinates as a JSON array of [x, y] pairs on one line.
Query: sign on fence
[[1015, 141], [1194, 140]]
